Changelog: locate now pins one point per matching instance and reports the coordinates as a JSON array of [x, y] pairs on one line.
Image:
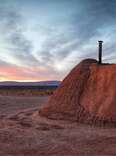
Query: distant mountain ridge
[[39, 83]]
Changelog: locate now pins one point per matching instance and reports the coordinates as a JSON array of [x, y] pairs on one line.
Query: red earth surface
[[87, 94]]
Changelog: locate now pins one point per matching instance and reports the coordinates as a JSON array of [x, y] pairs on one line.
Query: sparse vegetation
[[27, 91]]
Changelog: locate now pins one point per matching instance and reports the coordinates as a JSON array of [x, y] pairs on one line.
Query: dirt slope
[[87, 94]]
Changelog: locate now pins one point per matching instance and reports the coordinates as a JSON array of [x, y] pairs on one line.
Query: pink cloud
[[26, 73]]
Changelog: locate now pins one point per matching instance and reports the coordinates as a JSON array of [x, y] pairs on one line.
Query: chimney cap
[[100, 41]]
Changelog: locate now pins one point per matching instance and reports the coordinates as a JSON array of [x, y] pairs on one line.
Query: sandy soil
[[12, 104], [24, 133]]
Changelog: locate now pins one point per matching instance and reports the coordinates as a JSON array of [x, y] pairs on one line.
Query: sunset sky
[[44, 39]]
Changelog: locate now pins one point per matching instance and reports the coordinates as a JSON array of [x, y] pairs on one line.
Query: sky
[[44, 39]]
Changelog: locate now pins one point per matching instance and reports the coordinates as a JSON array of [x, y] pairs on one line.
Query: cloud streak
[[47, 44]]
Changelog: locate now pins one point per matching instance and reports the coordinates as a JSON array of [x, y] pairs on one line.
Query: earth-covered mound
[[87, 94]]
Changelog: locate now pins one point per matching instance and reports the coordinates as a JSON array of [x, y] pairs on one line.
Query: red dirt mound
[[87, 94]]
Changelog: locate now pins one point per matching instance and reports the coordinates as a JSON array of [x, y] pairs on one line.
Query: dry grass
[[27, 91]]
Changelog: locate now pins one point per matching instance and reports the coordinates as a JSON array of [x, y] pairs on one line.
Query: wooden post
[[100, 52]]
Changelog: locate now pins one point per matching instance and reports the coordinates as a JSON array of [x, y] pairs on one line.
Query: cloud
[[85, 29], [3, 63], [63, 38], [12, 30]]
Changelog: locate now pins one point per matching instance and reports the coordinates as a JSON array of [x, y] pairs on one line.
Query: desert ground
[[24, 133]]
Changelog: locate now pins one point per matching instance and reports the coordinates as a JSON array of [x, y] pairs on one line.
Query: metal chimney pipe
[[100, 52]]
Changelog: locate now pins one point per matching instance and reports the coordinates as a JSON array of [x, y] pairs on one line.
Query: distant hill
[[40, 83]]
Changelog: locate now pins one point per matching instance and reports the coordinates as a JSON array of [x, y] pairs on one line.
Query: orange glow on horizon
[[23, 74]]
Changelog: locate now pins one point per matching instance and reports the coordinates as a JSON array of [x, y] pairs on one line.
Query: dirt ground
[[24, 133]]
